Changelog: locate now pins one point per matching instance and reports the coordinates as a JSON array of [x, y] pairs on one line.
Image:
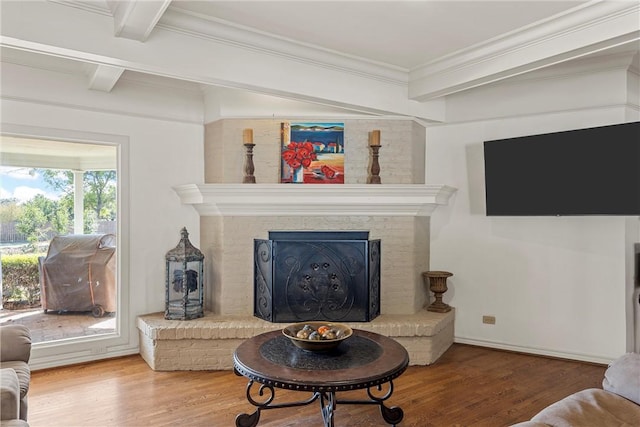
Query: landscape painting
[[312, 153]]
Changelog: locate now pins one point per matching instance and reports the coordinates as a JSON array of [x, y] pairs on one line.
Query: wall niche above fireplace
[[317, 275]]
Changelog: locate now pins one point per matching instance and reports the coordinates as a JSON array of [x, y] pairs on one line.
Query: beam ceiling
[[197, 42]]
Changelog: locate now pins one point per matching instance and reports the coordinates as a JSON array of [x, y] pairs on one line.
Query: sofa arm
[[9, 394], [622, 377], [15, 343]]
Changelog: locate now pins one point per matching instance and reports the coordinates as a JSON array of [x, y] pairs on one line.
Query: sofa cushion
[[622, 377], [591, 407]]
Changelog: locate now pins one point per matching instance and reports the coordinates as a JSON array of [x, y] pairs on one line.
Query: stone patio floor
[[53, 326]]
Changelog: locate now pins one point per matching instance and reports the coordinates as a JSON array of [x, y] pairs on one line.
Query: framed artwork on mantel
[[312, 153]]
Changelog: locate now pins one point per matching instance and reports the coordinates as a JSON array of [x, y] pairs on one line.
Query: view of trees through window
[[37, 220]]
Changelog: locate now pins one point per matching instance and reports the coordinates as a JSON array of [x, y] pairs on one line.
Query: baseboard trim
[[77, 358], [603, 360]]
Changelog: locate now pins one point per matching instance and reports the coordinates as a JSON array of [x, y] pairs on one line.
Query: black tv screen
[[594, 171]]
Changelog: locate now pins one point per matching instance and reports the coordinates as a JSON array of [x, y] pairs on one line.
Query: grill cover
[[79, 273]]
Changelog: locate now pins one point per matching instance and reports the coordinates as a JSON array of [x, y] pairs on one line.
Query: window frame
[[124, 340]]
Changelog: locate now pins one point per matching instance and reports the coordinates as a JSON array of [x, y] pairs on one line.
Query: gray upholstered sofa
[[15, 351], [617, 404]]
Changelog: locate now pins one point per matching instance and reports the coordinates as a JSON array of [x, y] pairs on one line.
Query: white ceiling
[[404, 34]]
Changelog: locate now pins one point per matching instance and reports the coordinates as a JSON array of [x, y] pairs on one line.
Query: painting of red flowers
[[312, 153]]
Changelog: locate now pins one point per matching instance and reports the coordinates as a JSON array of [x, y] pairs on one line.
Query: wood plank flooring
[[467, 386]]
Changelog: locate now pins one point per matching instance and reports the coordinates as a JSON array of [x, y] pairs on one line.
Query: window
[[64, 191]]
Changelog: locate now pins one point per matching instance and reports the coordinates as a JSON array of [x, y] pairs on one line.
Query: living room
[[556, 286]]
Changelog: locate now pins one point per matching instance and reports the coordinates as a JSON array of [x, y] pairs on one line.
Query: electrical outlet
[[98, 350], [489, 320]]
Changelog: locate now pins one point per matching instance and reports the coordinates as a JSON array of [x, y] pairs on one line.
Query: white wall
[[557, 285], [163, 152]]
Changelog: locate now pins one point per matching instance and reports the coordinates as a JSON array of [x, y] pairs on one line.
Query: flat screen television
[[593, 171]]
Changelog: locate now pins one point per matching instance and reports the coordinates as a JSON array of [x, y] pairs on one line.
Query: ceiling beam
[[222, 55], [135, 19], [103, 77], [595, 27]]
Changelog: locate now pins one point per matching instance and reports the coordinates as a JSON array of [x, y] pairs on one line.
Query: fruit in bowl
[[317, 336]]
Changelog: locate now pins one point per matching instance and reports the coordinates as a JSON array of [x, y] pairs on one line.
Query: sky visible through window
[[18, 183]]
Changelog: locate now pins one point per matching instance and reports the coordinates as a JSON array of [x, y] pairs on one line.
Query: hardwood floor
[[467, 386]]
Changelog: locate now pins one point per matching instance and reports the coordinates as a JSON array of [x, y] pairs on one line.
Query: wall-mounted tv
[[593, 171]]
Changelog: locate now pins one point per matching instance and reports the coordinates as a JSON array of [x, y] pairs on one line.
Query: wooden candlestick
[[248, 165], [374, 144], [374, 178]]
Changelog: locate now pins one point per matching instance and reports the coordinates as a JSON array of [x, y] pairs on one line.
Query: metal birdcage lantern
[[184, 281]]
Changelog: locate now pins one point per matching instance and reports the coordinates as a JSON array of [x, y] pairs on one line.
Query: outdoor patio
[[53, 326]]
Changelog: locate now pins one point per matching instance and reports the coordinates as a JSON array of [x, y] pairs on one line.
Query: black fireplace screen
[[317, 275]]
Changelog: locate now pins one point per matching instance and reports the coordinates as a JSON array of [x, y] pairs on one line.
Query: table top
[[364, 360]]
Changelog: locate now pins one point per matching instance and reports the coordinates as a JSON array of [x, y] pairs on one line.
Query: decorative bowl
[[342, 332]]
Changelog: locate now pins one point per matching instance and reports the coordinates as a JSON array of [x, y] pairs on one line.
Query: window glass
[[59, 237]]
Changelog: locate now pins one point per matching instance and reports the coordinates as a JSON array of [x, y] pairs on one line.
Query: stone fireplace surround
[[232, 215]]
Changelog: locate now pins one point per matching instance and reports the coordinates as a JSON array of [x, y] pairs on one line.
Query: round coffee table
[[364, 361]]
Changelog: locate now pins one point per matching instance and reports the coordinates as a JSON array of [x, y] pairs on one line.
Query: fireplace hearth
[[317, 275]]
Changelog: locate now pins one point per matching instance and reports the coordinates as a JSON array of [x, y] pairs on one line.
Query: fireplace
[[317, 275], [233, 215]]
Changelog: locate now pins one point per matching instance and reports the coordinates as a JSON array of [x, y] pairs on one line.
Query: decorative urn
[[437, 283]]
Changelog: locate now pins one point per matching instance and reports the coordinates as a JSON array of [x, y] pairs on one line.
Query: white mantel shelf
[[318, 200]]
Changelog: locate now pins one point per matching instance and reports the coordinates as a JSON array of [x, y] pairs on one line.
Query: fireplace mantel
[[319, 200]]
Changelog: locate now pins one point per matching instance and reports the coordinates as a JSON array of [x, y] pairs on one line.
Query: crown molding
[[206, 27], [101, 8], [314, 200], [594, 27]]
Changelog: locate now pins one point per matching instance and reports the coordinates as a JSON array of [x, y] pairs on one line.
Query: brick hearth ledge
[[208, 343]]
